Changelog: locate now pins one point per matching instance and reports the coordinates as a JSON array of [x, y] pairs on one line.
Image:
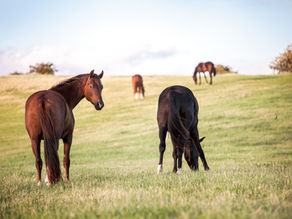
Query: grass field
[[247, 121]]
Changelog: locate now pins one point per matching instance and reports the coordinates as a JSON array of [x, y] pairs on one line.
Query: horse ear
[[202, 139], [101, 74], [92, 73]]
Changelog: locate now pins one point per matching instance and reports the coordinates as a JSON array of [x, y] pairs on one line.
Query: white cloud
[[119, 59], [78, 60]]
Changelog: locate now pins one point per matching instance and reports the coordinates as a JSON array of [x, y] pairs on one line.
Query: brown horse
[[138, 88], [178, 114], [203, 67], [49, 117]]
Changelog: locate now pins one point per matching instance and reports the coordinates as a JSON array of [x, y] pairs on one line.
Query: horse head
[[93, 89], [191, 155]]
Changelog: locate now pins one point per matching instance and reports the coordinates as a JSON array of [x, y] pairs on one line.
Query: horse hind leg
[[35, 143], [135, 89], [206, 78], [162, 136], [175, 156], [141, 91], [66, 161]]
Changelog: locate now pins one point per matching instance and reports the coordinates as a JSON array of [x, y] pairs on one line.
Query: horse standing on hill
[[49, 117], [203, 67], [178, 114], [138, 88]]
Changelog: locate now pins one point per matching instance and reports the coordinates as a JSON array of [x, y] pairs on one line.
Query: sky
[[159, 37]]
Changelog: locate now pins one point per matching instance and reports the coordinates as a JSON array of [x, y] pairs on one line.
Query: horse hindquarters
[[39, 123], [51, 141]]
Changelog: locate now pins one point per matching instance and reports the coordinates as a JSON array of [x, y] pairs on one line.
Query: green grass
[[247, 121]]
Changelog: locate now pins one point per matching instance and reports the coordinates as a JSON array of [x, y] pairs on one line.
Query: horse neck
[[73, 93]]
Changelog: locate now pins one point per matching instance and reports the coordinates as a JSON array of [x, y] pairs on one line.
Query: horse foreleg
[[66, 161], [162, 136], [35, 144], [174, 155], [141, 92], [135, 91], [195, 78]]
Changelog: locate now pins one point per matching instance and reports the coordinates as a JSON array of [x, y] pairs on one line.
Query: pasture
[[247, 121]]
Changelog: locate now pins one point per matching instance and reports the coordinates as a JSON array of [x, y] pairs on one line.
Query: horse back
[[183, 100], [52, 105], [137, 80]]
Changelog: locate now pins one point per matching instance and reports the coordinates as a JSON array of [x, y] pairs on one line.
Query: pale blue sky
[[146, 37]]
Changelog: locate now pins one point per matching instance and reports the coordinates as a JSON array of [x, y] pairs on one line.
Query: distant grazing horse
[[49, 117], [203, 67], [178, 114], [138, 88]]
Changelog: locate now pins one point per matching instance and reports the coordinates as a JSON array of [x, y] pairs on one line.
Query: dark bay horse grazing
[[203, 67], [178, 114], [138, 88], [49, 117]]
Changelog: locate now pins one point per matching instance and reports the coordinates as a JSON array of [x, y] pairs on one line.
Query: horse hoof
[[179, 171], [39, 183], [159, 169], [47, 179]]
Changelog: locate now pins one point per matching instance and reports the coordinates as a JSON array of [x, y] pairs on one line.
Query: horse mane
[[67, 82]]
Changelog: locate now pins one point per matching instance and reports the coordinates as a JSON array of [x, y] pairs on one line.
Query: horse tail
[[214, 70], [143, 89], [179, 134], [142, 85], [50, 145]]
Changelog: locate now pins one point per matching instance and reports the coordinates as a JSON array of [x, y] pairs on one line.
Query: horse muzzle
[[99, 105]]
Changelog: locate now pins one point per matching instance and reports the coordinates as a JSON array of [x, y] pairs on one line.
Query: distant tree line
[[40, 68], [283, 62]]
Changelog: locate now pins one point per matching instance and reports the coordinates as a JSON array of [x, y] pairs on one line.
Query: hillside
[[247, 121]]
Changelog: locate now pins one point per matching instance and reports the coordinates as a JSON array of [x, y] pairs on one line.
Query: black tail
[[214, 70], [179, 134], [143, 89], [51, 145]]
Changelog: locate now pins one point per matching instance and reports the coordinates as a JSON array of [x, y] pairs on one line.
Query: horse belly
[[68, 123]]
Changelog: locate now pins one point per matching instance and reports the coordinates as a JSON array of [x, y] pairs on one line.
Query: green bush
[[223, 69], [43, 69], [283, 62]]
